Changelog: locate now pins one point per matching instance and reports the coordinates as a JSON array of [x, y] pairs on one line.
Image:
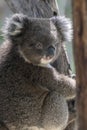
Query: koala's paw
[[73, 76]]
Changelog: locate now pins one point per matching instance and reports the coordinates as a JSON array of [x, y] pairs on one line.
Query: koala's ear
[[64, 27], [15, 25]]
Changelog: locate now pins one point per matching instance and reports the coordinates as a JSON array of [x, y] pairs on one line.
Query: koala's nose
[[50, 51]]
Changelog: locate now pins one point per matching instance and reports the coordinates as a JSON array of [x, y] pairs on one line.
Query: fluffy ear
[[15, 25], [64, 27]]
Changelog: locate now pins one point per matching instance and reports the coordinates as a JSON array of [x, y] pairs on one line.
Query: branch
[[33, 8]]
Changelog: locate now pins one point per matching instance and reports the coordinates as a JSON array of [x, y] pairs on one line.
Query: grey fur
[[32, 94], [64, 26]]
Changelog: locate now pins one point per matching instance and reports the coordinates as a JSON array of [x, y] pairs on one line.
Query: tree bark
[[45, 9], [80, 53], [33, 8]]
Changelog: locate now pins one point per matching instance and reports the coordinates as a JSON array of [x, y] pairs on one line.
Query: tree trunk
[[80, 52], [45, 9]]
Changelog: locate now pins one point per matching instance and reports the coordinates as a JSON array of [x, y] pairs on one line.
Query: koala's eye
[[39, 45]]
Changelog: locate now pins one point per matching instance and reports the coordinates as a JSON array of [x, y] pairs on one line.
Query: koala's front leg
[[54, 112], [58, 82]]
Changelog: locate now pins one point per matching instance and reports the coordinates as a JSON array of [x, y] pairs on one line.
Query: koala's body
[[32, 93]]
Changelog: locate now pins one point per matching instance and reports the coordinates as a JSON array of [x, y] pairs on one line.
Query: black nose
[[50, 51]]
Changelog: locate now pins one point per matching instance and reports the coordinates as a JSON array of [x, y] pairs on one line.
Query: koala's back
[[20, 99]]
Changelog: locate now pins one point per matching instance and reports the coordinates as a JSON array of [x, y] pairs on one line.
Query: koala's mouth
[[46, 60]]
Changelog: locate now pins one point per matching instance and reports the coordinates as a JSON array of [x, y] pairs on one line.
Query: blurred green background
[[64, 9]]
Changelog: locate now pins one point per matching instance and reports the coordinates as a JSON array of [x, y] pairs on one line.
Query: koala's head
[[39, 41]]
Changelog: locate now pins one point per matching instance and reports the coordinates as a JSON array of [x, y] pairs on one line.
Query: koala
[[32, 93]]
